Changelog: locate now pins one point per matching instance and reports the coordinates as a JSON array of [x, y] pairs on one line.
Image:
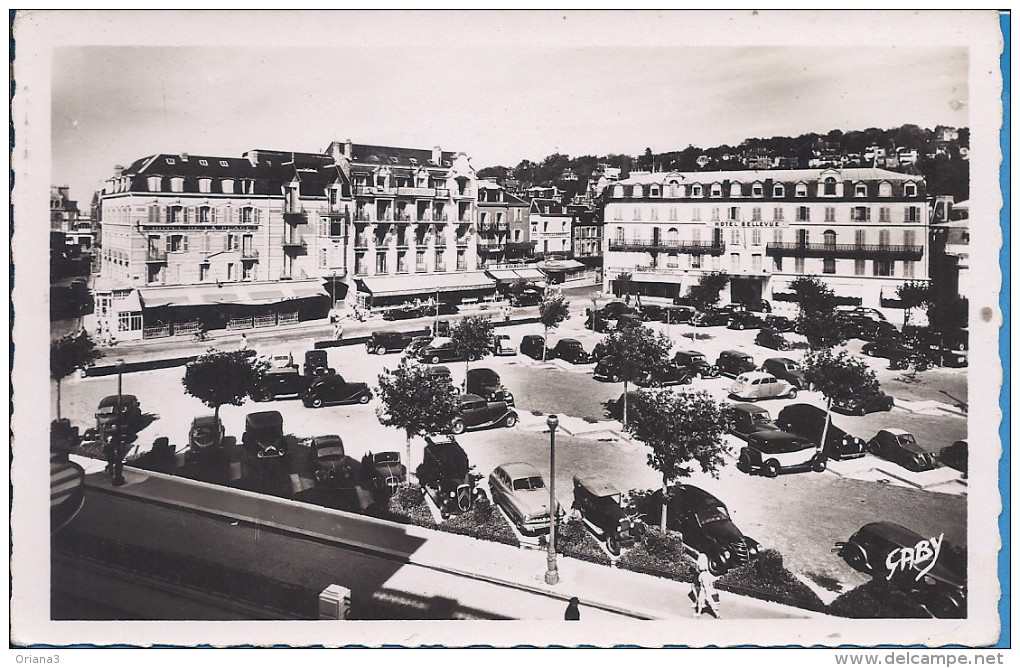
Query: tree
[[817, 319], [680, 428], [553, 310], [635, 352], [69, 354], [914, 294], [622, 284], [416, 401], [473, 337], [840, 377], [705, 293], [223, 377], [518, 287]]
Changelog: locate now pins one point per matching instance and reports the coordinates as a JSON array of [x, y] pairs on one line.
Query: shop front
[[452, 288]]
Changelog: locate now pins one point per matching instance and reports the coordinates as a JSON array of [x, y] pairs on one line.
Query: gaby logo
[[921, 557]]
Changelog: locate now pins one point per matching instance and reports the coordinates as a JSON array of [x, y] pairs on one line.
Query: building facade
[[586, 230], [64, 212], [550, 227], [519, 246], [862, 231], [493, 223]]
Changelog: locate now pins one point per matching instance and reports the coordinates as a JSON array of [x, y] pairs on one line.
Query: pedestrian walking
[[338, 331], [506, 313], [706, 596], [244, 341], [573, 613]]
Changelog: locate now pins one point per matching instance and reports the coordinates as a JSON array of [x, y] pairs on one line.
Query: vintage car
[[384, 342], [745, 320], [444, 374], [696, 364], [669, 374], [942, 589], [786, 369], [118, 411], [316, 363], [706, 526], [614, 310], [601, 508], [442, 349], [487, 383], [955, 456], [406, 313], [746, 419], [898, 446], [650, 312], [445, 475], [863, 405], [282, 382], [597, 323], [757, 385], [779, 323], [570, 350], [501, 345], [333, 389], [263, 432], [519, 489], [526, 298], [628, 320], [533, 346], [607, 370], [204, 438], [474, 412], [770, 338], [329, 463], [384, 470], [444, 308], [871, 330], [440, 328], [67, 491], [710, 318], [890, 347], [775, 452], [734, 362], [614, 407], [417, 344], [809, 421], [677, 314]]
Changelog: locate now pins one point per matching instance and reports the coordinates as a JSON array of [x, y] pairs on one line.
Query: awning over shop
[[530, 274], [426, 284], [655, 277], [560, 265], [231, 293], [130, 304]]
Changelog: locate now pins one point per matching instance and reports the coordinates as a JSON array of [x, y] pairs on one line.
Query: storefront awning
[[560, 265], [231, 293], [505, 276], [129, 304], [654, 277], [425, 285], [530, 274]]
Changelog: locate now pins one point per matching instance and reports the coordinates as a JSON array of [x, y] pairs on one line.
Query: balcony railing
[[339, 215], [404, 218], [155, 255], [845, 251], [443, 193], [294, 217], [404, 191], [503, 226], [293, 243], [249, 254], [666, 246]]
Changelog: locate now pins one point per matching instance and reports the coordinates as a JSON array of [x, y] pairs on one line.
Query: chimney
[[348, 149], [437, 155], [118, 170], [184, 157]]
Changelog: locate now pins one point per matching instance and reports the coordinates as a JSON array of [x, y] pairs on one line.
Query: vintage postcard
[[577, 328]]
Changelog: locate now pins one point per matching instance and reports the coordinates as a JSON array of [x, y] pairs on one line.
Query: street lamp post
[[118, 442], [552, 575]]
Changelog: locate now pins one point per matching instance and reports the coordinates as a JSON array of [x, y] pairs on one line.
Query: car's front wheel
[[458, 426], [510, 421], [316, 402], [771, 468], [381, 350], [363, 399], [793, 393], [818, 466], [613, 545], [434, 359]]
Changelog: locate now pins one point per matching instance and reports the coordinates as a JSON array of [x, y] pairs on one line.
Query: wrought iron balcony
[[666, 246], [294, 217], [155, 255], [249, 254], [293, 243], [845, 251]]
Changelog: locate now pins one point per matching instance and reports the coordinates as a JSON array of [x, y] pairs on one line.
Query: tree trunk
[[662, 519], [216, 412], [58, 398], [545, 343], [408, 444], [625, 402], [828, 419]]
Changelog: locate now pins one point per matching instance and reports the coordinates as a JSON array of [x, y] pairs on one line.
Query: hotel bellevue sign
[[748, 223]]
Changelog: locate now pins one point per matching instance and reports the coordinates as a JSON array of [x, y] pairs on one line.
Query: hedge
[[573, 539], [766, 578], [874, 599], [661, 555], [481, 521], [408, 506]]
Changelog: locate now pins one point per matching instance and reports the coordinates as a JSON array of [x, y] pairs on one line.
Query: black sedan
[[900, 447], [809, 421], [779, 323], [711, 318], [745, 320], [334, 389], [406, 313], [770, 338], [863, 405], [570, 350]]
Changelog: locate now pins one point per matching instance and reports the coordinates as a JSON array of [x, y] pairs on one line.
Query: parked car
[[333, 389], [442, 349], [263, 432], [417, 344], [775, 452], [786, 369], [864, 405], [526, 298], [384, 470], [607, 371], [501, 345], [745, 320], [628, 320], [445, 475], [731, 308], [406, 313], [650, 312], [614, 310], [942, 589], [614, 407], [386, 342], [696, 364], [282, 359], [734, 362], [898, 446], [676, 314], [707, 528], [204, 438], [669, 374], [779, 323], [809, 421], [519, 489], [872, 330], [329, 463], [770, 338], [440, 328], [444, 308], [598, 324], [601, 508], [955, 456], [570, 350], [888, 347], [746, 419], [316, 363], [487, 383], [760, 385], [118, 411], [282, 382], [710, 318], [444, 374], [533, 346], [474, 412]]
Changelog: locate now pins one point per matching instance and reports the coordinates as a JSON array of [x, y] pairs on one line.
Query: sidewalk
[[610, 589]]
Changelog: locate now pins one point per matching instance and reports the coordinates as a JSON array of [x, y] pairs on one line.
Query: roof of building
[[789, 175]]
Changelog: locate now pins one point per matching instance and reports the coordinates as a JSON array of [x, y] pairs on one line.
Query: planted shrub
[[766, 578], [661, 555], [877, 598], [574, 540], [408, 506], [482, 521]]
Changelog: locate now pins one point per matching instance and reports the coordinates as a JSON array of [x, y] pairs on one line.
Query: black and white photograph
[[417, 328]]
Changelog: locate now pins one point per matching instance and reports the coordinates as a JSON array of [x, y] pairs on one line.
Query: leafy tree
[[817, 319], [680, 428], [223, 377], [553, 310], [705, 293], [69, 354], [518, 287], [472, 336], [635, 352], [416, 401], [840, 377], [622, 283], [913, 294]]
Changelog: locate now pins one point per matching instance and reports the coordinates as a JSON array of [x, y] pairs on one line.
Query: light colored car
[[760, 385], [501, 345], [519, 489], [280, 360]]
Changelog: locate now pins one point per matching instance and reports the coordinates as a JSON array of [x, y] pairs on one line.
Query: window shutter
[[168, 244], [184, 243]]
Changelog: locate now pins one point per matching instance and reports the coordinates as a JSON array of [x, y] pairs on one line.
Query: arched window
[[861, 190], [675, 189], [618, 192], [757, 190], [829, 237], [735, 190], [673, 236], [800, 190], [177, 184], [155, 184], [778, 190], [885, 189], [696, 191], [228, 186], [910, 190], [637, 191], [204, 185], [829, 185], [716, 190]]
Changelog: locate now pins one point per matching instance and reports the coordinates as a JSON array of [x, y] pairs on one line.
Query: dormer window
[[413, 161], [716, 190], [155, 183], [653, 191], [885, 189], [735, 190], [757, 190], [860, 190], [778, 190], [618, 192], [204, 163], [696, 191], [637, 191], [223, 163], [393, 159], [177, 184], [228, 186], [910, 190], [204, 185], [829, 186], [800, 190], [171, 161]]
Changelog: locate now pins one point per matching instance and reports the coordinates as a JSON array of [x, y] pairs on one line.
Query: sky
[[499, 103]]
